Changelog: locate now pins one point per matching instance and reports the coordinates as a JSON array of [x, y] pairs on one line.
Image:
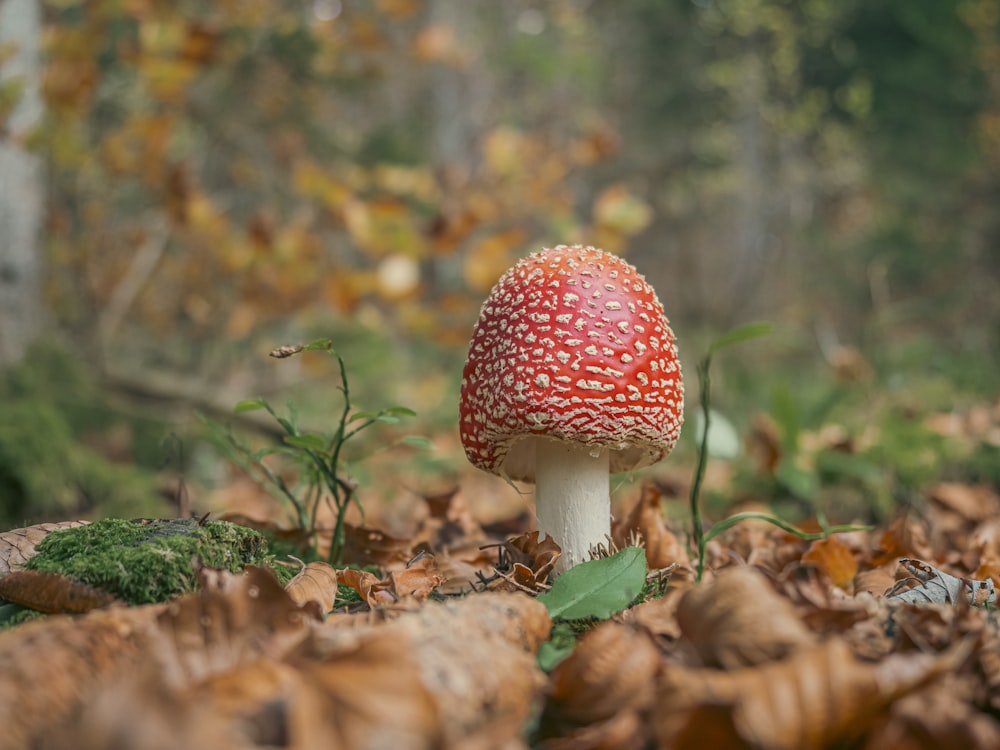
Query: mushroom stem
[[572, 498]]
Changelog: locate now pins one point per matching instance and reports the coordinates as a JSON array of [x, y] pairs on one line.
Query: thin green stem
[[337, 539], [809, 536], [699, 474]]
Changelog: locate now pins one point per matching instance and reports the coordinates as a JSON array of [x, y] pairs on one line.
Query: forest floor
[[450, 633]]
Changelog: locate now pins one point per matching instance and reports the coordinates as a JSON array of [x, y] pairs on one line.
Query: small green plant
[[317, 456], [700, 535]]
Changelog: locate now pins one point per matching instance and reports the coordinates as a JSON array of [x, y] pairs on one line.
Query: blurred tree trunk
[[21, 186]]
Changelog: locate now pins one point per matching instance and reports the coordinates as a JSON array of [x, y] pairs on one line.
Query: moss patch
[[143, 562]]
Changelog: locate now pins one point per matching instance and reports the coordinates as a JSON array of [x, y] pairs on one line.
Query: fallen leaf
[[363, 546], [528, 559], [53, 593], [611, 670], [905, 537], [739, 620], [489, 690], [645, 522], [370, 587], [971, 502], [211, 631], [835, 559], [940, 716], [936, 586], [820, 697], [316, 582], [418, 580], [18, 545]]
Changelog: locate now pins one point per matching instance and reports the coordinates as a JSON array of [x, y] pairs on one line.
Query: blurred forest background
[[185, 186]]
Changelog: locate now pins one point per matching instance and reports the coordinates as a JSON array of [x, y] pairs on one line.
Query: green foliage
[[592, 590], [45, 469], [12, 615], [147, 561], [316, 456]]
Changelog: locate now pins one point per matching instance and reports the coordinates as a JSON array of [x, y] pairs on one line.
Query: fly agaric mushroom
[[572, 375]]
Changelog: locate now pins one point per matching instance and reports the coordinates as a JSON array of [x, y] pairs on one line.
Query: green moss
[[12, 615], [148, 561]]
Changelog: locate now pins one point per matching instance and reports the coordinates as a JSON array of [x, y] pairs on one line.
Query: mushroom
[[572, 375]]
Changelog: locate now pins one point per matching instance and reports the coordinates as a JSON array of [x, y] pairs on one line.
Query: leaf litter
[[860, 640]]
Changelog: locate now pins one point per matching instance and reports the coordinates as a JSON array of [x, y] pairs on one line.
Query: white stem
[[572, 498]]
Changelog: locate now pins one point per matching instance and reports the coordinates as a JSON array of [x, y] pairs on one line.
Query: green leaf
[[319, 345], [308, 441], [399, 411], [550, 654], [561, 642], [389, 416], [739, 335], [598, 588], [417, 441], [250, 404]]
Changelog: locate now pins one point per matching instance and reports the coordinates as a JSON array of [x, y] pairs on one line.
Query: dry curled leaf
[[820, 697], [418, 580], [316, 582], [645, 521], [73, 659], [611, 670], [369, 586], [212, 630], [18, 545], [940, 716], [739, 620], [905, 537], [835, 559], [936, 586], [487, 690], [970, 502], [53, 593], [528, 560]]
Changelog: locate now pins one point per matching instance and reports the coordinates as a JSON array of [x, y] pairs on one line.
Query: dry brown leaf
[[418, 580], [835, 559], [18, 545], [974, 503], [625, 730], [364, 546], [820, 697], [528, 560], [658, 616], [449, 522], [612, 669], [475, 654], [212, 631], [369, 586], [875, 581], [940, 716], [739, 620], [53, 593], [72, 659], [905, 537], [367, 697], [316, 582], [645, 520]]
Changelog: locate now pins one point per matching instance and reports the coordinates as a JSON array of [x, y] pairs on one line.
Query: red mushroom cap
[[571, 344]]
